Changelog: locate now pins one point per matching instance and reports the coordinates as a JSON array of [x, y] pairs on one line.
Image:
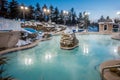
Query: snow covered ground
[[7, 24]]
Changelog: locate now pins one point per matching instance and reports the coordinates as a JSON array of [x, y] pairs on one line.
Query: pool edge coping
[[33, 44]]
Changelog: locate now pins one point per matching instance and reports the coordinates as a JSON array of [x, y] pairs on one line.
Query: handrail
[[108, 67]]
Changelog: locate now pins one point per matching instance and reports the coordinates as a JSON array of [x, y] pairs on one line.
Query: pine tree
[[61, 18], [73, 16], [30, 13], [80, 20], [56, 15], [51, 12], [69, 19], [3, 8], [86, 20], [38, 12], [102, 19], [44, 6], [107, 17], [80, 16], [13, 9]]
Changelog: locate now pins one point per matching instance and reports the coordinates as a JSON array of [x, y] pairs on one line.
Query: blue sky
[[95, 7]]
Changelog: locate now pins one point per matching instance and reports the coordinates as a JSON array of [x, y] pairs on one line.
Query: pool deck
[[116, 37], [21, 47], [85, 33], [101, 33], [33, 44], [108, 75], [119, 49]]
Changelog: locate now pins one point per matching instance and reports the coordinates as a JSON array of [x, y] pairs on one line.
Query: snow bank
[[7, 24], [68, 31]]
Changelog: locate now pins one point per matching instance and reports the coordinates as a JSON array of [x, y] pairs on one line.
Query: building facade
[[106, 27]]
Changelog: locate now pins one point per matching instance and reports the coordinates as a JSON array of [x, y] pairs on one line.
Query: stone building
[[106, 27]]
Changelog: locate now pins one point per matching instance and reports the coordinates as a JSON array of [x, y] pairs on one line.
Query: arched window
[[105, 27]]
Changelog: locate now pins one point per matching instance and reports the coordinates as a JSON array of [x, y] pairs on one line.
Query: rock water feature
[[68, 40]]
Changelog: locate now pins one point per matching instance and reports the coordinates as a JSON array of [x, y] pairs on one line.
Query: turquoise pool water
[[48, 62]]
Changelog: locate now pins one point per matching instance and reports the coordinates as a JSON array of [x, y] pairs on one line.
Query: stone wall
[[9, 39]]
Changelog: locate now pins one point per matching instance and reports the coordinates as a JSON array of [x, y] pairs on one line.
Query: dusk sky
[[95, 7]]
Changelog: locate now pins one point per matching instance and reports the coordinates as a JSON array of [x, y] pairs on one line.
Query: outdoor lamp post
[[24, 8], [65, 13], [86, 15], [47, 12]]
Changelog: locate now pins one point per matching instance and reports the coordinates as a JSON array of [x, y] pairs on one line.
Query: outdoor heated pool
[[48, 62]]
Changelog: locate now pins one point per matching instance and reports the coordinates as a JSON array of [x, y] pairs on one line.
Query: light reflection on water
[[48, 62]]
